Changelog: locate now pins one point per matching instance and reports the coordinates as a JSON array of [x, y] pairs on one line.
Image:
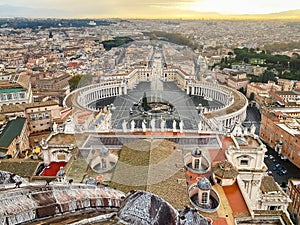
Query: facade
[[293, 192], [287, 85], [261, 88], [281, 126], [42, 115], [238, 80], [261, 192], [16, 90]]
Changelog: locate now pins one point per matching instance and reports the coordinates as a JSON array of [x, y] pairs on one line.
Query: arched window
[[204, 198], [197, 164]]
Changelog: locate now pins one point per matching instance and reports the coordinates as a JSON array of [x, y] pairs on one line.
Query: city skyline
[[150, 9]]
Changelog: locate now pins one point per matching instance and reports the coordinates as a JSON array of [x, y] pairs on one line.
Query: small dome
[[104, 152], [225, 169], [204, 184], [196, 152]]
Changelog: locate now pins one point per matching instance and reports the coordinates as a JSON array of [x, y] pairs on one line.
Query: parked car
[[277, 167], [283, 157], [269, 172]]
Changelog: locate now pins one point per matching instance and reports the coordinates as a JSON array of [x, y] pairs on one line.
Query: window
[[47, 115], [196, 165], [32, 117], [40, 116], [204, 198], [244, 162]]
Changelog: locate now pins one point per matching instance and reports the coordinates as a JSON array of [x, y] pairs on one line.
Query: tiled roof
[[224, 169], [268, 184], [23, 168], [154, 166], [22, 107]]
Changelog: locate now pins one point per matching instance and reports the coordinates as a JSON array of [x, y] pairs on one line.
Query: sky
[[153, 8]]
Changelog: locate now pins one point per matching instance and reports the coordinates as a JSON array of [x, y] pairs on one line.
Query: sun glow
[[242, 7]]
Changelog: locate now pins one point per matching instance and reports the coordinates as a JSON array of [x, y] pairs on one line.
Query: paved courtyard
[[185, 106]]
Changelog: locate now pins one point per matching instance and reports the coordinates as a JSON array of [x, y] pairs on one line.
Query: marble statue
[[200, 126], [252, 129], [132, 125], [174, 126], [54, 127], [181, 124], [162, 125], [124, 126], [152, 124], [144, 125]]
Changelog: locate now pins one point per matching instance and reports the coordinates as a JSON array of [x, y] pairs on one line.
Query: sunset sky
[[154, 8]]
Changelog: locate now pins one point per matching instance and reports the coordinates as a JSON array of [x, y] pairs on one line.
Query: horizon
[[153, 9]]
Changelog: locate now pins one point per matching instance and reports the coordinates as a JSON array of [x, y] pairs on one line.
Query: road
[[292, 170]]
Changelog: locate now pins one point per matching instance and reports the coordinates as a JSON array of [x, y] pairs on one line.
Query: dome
[[204, 184], [189, 216], [144, 208], [196, 152], [225, 169]]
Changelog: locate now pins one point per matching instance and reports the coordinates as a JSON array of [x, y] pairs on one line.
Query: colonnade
[[92, 93], [234, 107]]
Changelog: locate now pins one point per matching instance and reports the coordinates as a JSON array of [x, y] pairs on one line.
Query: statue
[[174, 126], [144, 125], [124, 126], [200, 126], [70, 126], [181, 124], [162, 125], [152, 124], [252, 129], [132, 124], [54, 127], [60, 175], [246, 131]]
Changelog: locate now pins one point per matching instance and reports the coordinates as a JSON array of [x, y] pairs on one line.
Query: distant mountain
[[18, 11], [290, 13]]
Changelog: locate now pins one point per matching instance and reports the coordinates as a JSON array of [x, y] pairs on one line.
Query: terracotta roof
[[268, 184], [24, 81], [22, 107]]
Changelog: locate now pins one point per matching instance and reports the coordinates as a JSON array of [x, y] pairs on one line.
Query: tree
[[74, 81], [145, 102]]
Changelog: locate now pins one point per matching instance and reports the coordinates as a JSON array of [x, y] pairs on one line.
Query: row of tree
[[175, 38], [116, 42]]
